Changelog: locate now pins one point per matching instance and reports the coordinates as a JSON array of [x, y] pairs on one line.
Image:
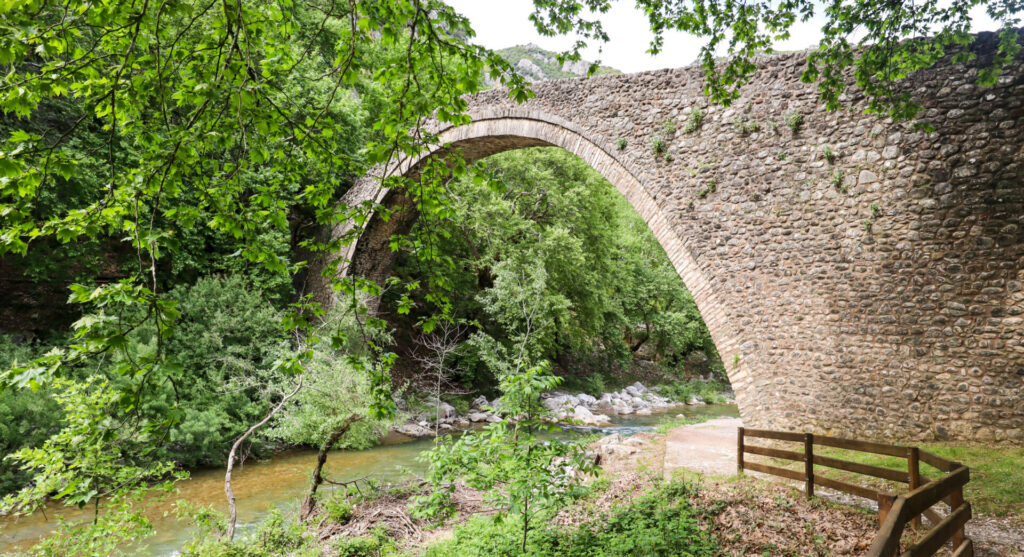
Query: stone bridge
[[858, 276]]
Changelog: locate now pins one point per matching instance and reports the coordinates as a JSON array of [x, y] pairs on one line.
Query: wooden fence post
[[956, 499], [809, 463], [914, 469], [739, 450], [885, 502]]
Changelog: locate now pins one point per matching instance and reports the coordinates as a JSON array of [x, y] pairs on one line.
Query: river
[[280, 482]]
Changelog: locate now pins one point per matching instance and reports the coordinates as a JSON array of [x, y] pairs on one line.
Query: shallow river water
[[280, 482]]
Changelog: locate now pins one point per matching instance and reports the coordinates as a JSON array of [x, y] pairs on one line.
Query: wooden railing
[[895, 512]]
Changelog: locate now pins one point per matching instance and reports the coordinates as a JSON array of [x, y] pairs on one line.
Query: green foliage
[[880, 42], [838, 180], [829, 154], [620, 143], [27, 417], [540, 227], [745, 126], [710, 392], [376, 543], [277, 536], [695, 120], [658, 145], [794, 120], [661, 522], [668, 127], [338, 509], [122, 523], [711, 187], [93, 456], [196, 140], [226, 342], [876, 211], [335, 393], [520, 473]]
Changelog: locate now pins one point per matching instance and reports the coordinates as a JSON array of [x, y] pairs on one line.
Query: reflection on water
[[281, 481]]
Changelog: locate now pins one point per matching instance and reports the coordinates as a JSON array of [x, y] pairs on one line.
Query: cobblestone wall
[[859, 276]]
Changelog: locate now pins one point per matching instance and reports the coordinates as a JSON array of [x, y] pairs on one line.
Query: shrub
[[668, 127], [745, 125], [695, 121], [227, 332], [658, 146], [661, 522], [620, 143], [372, 545], [795, 121], [338, 509], [27, 417], [829, 154]]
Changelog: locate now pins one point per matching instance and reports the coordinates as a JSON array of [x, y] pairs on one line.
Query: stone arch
[[493, 132]]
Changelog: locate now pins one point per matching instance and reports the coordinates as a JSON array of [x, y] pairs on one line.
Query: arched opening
[[496, 132]]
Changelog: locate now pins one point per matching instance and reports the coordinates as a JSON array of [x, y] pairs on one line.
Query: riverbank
[[279, 483], [434, 417]]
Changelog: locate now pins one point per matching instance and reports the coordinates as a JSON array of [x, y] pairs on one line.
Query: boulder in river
[[584, 416], [413, 429]]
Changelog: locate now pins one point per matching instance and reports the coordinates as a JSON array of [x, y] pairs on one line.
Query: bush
[[338, 510], [228, 337], [277, 536], [376, 543], [695, 121], [27, 417], [662, 522]]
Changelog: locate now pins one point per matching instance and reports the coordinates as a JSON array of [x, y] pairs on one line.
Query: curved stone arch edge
[[556, 132]]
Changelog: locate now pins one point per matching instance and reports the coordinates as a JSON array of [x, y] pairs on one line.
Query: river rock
[[446, 412], [643, 412], [477, 417], [413, 429], [480, 402], [620, 406], [586, 399], [586, 417]]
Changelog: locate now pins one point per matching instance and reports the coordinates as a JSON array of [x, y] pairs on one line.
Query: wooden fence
[[895, 511]]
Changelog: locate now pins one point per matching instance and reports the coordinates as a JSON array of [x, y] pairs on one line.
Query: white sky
[[504, 23]]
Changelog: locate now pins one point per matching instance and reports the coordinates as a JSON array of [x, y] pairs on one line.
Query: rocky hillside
[[537, 64]]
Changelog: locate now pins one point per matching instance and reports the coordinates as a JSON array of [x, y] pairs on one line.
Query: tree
[[878, 41], [223, 117]]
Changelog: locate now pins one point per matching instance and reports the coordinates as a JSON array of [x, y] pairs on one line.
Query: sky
[[504, 23]]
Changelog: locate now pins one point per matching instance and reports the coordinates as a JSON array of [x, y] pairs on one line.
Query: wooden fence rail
[[895, 511]]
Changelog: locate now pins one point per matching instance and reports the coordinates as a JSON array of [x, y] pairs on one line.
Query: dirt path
[[708, 448]]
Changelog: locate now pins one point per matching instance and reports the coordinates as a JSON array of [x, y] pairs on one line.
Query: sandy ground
[[708, 448]]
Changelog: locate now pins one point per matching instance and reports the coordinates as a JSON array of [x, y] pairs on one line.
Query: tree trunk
[[231, 459], [309, 503]]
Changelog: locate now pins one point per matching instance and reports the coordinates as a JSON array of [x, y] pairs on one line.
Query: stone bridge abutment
[[858, 276]]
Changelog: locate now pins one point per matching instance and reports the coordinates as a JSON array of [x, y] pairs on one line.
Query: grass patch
[[674, 422], [997, 476]]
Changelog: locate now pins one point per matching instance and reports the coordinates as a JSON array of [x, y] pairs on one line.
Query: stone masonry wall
[[875, 293]]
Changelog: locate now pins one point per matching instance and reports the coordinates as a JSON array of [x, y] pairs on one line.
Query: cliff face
[[537, 64]]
